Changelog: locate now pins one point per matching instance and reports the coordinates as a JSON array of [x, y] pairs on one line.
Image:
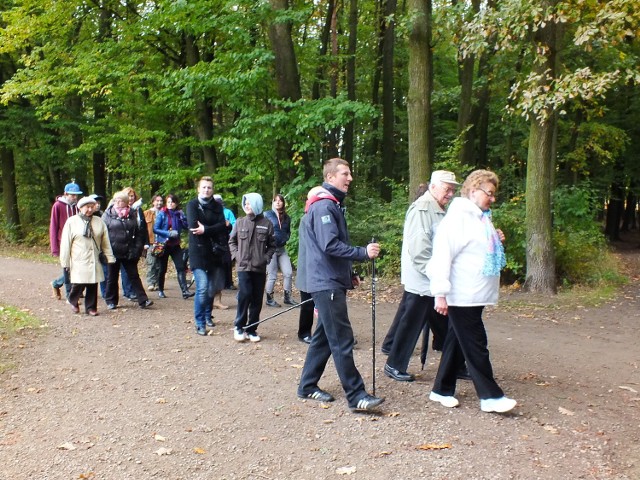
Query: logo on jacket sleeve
[[325, 219]]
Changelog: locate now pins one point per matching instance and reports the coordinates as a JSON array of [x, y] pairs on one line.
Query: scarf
[[123, 212], [87, 225], [494, 259]]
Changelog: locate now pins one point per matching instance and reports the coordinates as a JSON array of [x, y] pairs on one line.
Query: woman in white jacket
[[465, 276]]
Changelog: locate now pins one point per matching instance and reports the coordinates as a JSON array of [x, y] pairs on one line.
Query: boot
[[287, 298], [270, 301], [217, 302], [182, 281]]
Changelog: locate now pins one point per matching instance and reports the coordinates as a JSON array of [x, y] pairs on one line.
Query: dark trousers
[[131, 269], [387, 343], [90, 296], [250, 292], [417, 315], [175, 252], [305, 321], [333, 337], [466, 341]]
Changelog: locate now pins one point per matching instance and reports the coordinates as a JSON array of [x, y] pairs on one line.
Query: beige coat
[[79, 254]]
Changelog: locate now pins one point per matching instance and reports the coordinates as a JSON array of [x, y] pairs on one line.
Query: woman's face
[[484, 196], [132, 198], [120, 203], [170, 204], [278, 204]]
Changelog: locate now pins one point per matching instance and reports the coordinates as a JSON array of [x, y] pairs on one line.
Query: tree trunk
[[204, 111], [615, 209], [420, 135], [9, 193], [349, 130], [388, 116], [541, 275]]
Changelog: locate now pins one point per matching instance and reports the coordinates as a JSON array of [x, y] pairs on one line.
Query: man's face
[[205, 189], [341, 179], [157, 202], [247, 207], [72, 198], [443, 193], [88, 209]]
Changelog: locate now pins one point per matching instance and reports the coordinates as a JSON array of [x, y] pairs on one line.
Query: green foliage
[[578, 238]]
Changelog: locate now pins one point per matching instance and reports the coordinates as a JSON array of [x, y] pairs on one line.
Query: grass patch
[[13, 322]]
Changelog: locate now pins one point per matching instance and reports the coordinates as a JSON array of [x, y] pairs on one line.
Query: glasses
[[448, 190], [488, 194]]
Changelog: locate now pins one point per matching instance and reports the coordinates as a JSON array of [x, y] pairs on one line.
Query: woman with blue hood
[[252, 244]]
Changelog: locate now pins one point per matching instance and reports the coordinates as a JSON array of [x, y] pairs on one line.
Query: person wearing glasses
[[416, 308], [464, 271]]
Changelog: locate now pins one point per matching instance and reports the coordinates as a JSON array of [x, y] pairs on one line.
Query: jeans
[[203, 299], [153, 269], [63, 279], [127, 290], [280, 260]]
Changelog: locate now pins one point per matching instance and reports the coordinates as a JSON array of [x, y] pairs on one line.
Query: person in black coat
[[128, 237], [208, 234]]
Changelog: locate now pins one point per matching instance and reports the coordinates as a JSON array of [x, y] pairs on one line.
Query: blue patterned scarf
[[494, 259]]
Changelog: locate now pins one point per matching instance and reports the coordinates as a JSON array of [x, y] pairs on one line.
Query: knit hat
[[85, 201]]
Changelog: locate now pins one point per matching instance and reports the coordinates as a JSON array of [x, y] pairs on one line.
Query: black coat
[[127, 235], [211, 216]]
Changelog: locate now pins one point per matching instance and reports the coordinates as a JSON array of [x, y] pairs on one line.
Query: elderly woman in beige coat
[[83, 238]]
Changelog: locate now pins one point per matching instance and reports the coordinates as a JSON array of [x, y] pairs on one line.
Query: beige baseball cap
[[443, 176]]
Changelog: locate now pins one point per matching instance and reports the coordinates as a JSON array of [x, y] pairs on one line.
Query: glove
[[173, 234]]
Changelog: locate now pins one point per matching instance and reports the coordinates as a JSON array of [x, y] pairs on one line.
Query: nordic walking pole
[[373, 317], [276, 314]]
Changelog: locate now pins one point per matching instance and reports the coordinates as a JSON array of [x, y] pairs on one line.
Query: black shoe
[[385, 351], [367, 403], [146, 304], [161, 294], [132, 298], [271, 302], [463, 374], [187, 294], [112, 306], [210, 323], [306, 339], [396, 374], [319, 395], [201, 331]]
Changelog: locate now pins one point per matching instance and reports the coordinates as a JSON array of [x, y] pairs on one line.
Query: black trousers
[[175, 252], [333, 337], [90, 296], [305, 320], [466, 341], [113, 271], [416, 314], [250, 292]]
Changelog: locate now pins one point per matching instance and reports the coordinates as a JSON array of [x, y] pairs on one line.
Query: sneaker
[[498, 405], [306, 339], [152, 288], [444, 400], [146, 304], [201, 331], [239, 335], [253, 337], [319, 395], [367, 403], [210, 323], [111, 306]]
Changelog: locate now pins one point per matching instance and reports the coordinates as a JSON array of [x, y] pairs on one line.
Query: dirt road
[[135, 394]]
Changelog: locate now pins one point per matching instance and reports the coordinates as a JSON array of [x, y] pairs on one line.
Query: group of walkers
[[451, 262]]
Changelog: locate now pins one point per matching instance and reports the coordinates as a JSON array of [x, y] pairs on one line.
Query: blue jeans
[[127, 290], [203, 299], [63, 279]]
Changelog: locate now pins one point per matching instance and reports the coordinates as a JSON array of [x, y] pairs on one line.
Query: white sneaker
[[239, 335], [254, 337], [498, 405], [445, 401]]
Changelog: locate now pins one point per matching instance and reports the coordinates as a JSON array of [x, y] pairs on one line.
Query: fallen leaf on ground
[[346, 470], [67, 446], [551, 429], [199, 451], [434, 446], [624, 387], [564, 411], [393, 414], [163, 451], [159, 438]]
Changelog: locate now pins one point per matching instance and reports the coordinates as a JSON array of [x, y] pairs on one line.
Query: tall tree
[[388, 99]]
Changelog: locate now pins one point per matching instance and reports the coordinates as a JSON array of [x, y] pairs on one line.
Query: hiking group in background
[[450, 269]]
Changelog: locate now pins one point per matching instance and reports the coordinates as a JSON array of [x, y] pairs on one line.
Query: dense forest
[[257, 93]]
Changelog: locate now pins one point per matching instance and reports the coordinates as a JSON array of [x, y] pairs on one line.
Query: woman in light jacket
[[465, 276], [83, 238]]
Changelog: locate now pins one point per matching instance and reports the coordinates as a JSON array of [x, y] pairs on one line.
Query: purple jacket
[[60, 212]]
